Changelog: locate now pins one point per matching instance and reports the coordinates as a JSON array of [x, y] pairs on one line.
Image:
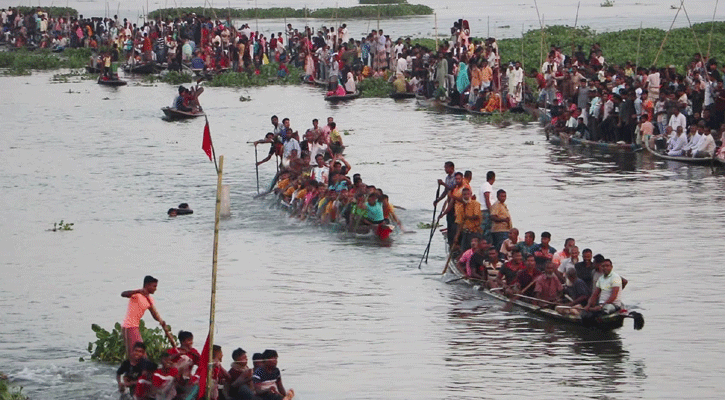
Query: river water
[[350, 318], [498, 18]]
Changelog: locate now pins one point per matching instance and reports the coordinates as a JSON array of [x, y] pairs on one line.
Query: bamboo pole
[[573, 32], [435, 18], [212, 309], [541, 24], [662, 45], [697, 42], [712, 27], [639, 40]]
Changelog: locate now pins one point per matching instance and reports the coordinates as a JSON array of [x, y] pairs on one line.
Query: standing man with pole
[[139, 301]]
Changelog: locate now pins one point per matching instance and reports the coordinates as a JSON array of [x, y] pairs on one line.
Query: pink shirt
[[466, 258], [137, 306]]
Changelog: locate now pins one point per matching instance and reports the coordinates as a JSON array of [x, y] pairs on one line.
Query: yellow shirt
[[500, 210], [470, 209]]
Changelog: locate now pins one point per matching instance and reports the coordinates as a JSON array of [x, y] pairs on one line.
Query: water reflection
[[484, 341]]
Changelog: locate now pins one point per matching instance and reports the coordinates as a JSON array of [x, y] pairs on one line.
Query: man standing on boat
[[501, 220], [139, 301], [486, 199], [607, 293], [468, 219]]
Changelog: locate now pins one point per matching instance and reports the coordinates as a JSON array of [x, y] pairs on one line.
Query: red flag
[[206, 142], [201, 371]]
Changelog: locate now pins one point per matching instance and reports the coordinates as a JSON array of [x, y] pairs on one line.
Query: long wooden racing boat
[[604, 323], [172, 113], [381, 232], [110, 82], [402, 95], [684, 159], [143, 69], [346, 97], [428, 102], [603, 146], [456, 109]]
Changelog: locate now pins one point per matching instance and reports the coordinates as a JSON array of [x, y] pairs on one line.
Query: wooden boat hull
[[683, 159], [141, 69], [172, 113], [603, 146], [404, 95], [605, 323], [427, 102], [346, 97], [111, 82], [456, 109]]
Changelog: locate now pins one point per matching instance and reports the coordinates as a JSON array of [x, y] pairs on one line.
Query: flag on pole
[[201, 371], [206, 142]]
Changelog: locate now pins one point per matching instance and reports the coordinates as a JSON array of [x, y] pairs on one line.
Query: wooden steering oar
[[433, 226], [256, 166], [450, 252], [164, 327]]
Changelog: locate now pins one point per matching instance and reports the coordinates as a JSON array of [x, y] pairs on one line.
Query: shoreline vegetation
[[619, 47], [9, 391], [382, 11]]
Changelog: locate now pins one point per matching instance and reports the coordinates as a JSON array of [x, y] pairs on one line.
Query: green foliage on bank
[[374, 2], [620, 46], [8, 392], [22, 62], [267, 75], [375, 87], [52, 11], [109, 346], [384, 10]]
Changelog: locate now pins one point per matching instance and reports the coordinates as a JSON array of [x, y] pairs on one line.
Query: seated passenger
[[525, 277], [463, 263], [164, 379], [267, 378], [374, 210], [240, 386], [507, 273], [607, 296], [543, 252], [478, 270], [184, 357], [492, 265], [547, 286], [526, 247], [130, 370], [509, 244]]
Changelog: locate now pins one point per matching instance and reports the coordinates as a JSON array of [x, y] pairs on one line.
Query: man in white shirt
[[694, 141], [401, 66], [677, 119], [607, 296], [321, 172], [706, 149], [678, 143], [486, 198]]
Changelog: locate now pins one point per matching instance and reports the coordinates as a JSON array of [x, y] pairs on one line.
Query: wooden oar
[[433, 226], [256, 167], [164, 327], [450, 252], [513, 298]]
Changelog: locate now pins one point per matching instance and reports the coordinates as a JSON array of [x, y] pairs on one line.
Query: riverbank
[[381, 11], [617, 47]]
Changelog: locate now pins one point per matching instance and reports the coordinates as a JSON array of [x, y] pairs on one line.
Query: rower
[[527, 275], [547, 286], [180, 103], [131, 369], [268, 138], [606, 297]]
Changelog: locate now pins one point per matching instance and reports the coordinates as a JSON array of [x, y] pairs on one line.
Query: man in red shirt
[[547, 286]]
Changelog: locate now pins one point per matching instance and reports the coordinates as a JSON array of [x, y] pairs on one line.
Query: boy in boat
[[240, 385], [267, 378], [185, 356], [164, 379], [181, 101], [130, 370]]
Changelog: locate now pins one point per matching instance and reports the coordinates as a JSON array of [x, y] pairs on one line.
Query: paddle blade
[[638, 320]]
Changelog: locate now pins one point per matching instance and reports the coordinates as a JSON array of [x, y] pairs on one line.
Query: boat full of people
[[485, 252], [323, 191]]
